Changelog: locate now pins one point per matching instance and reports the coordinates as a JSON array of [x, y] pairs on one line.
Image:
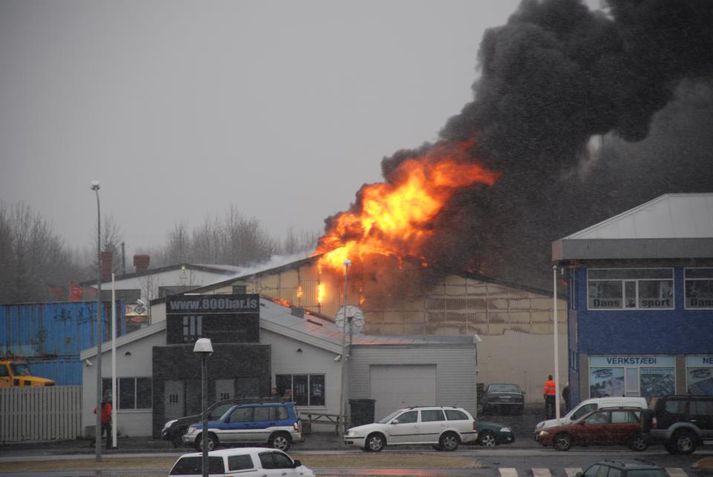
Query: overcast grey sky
[[182, 108]]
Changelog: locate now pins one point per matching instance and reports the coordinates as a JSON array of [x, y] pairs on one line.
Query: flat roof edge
[[602, 249]]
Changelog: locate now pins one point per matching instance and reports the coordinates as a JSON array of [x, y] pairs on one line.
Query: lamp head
[[95, 185], [203, 347]]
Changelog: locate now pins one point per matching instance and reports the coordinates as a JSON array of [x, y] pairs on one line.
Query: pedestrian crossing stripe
[[572, 472], [537, 472], [508, 472], [675, 472]]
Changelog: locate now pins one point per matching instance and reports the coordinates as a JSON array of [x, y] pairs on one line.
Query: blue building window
[[699, 288], [630, 289]]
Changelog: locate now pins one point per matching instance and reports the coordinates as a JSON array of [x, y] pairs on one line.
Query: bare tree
[[32, 257]]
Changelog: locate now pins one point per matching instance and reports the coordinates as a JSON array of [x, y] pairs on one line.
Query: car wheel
[[449, 441], [487, 439], [212, 442], [670, 448], [684, 442], [280, 440], [562, 442], [638, 443], [375, 442]]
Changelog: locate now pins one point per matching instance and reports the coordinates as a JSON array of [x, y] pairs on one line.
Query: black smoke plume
[[553, 77]]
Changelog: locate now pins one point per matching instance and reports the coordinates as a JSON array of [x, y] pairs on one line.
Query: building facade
[[640, 302], [158, 375]]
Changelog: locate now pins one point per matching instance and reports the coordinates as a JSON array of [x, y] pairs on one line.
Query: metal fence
[[40, 413]]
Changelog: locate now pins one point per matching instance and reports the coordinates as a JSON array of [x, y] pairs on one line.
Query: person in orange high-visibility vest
[[550, 396]]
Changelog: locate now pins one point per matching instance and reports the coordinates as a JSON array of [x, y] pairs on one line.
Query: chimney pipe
[[141, 262], [106, 266]]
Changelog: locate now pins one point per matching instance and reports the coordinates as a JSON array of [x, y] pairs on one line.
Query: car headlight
[[544, 433], [169, 423], [505, 429]]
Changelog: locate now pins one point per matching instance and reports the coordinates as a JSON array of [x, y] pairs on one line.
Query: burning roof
[[553, 77]]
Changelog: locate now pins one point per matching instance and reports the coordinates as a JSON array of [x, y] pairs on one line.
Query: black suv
[[506, 398], [681, 422], [634, 468], [174, 429]]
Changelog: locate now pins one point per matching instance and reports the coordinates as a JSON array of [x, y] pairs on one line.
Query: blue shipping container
[[63, 371], [54, 330]]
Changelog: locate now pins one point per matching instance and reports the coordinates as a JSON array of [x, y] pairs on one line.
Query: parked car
[[174, 429], [491, 434], [605, 426], [276, 424], [681, 422], [244, 461], [445, 428], [634, 468], [506, 398], [589, 405]]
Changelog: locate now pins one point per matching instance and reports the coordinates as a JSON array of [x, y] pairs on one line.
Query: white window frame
[[637, 281], [686, 280]]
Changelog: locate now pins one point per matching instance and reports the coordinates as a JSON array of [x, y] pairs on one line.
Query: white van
[[590, 405]]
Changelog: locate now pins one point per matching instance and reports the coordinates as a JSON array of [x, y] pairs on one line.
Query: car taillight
[[297, 426]]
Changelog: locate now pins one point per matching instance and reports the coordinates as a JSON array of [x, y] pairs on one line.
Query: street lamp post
[[343, 393], [556, 338], [204, 348], [97, 422]]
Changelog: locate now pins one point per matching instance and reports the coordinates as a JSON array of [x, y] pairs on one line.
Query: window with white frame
[[699, 288], [630, 288], [305, 389], [134, 393]]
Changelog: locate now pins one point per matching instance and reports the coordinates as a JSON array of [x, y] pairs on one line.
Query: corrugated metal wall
[[40, 414], [51, 335], [53, 329], [64, 371]]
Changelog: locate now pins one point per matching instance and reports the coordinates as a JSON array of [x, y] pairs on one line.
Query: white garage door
[[397, 386]]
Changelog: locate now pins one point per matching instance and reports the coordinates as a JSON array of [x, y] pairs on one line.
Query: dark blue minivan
[[273, 423]]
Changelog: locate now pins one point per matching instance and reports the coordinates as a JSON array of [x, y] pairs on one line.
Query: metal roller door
[[397, 386]]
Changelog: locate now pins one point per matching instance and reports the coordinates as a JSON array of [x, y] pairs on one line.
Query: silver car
[[445, 428]]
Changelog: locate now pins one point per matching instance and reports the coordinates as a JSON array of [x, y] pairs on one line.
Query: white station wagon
[[241, 462], [445, 428]]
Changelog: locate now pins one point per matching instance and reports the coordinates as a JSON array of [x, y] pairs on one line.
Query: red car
[[605, 426]]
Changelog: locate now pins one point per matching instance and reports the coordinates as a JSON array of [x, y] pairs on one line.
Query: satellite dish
[[357, 319]]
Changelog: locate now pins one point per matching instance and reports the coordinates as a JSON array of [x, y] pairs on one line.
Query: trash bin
[[361, 411]]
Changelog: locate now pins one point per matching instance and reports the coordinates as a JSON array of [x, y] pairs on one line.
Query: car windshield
[[21, 369], [503, 388], [386, 419], [224, 417]]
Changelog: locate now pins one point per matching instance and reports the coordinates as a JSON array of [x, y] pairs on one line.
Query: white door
[[397, 386], [173, 400]]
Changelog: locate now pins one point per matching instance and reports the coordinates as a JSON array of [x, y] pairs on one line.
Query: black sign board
[[190, 304], [222, 318]]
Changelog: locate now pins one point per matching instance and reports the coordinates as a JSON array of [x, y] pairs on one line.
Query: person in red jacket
[[106, 420], [550, 392]]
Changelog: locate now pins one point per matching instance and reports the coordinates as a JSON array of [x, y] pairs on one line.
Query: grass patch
[[316, 461]]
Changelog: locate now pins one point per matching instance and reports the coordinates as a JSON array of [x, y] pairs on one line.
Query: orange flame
[[321, 292], [393, 218]]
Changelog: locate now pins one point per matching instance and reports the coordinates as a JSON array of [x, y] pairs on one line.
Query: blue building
[[640, 300]]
